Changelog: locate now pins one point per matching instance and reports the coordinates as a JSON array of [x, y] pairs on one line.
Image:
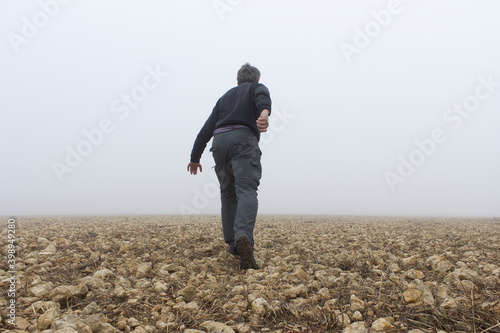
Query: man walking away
[[236, 122]]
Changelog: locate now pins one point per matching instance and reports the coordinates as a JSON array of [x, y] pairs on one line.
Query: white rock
[[357, 303], [294, 292], [103, 273], [66, 330], [439, 263], [160, 287], [415, 274], [45, 320], [187, 307], [260, 306], [343, 320], [357, 327], [41, 290], [61, 293], [49, 250], [143, 269], [215, 327], [132, 322], [357, 316], [383, 325], [90, 309]]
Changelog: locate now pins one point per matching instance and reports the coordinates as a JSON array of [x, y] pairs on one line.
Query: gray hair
[[248, 74]]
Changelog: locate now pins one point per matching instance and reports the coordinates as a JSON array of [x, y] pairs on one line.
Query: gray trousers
[[237, 165]]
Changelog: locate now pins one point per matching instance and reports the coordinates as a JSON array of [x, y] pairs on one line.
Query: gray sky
[[379, 107]]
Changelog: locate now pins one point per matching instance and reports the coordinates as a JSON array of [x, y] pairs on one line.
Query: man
[[236, 122]]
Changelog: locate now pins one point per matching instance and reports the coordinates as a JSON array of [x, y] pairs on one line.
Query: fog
[[379, 107]]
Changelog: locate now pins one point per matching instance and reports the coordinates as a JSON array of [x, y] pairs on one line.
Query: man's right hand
[[193, 168], [263, 122]]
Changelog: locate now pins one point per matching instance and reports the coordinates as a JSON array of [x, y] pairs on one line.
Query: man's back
[[241, 105]]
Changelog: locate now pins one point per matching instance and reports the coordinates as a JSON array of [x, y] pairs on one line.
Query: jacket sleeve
[[262, 98], [204, 136]]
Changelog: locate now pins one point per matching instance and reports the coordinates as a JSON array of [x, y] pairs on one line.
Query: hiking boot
[[245, 251]]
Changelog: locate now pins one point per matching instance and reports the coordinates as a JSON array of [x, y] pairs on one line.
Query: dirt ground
[[316, 274]]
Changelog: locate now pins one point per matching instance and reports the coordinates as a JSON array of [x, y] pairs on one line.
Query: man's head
[[248, 74]]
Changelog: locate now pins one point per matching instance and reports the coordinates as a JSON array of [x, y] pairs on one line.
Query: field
[[316, 274]]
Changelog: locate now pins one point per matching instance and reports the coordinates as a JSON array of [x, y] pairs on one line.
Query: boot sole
[[244, 249]]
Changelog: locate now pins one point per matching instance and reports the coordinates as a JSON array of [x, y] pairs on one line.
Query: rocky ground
[[317, 274]]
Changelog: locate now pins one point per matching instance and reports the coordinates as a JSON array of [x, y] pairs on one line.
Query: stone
[[357, 327], [439, 263], [45, 320], [123, 282], [260, 306], [489, 268], [466, 286], [66, 330], [357, 316], [49, 250], [188, 293], [357, 304], [93, 320], [415, 274], [468, 274], [119, 292], [491, 282], [160, 287], [329, 305], [294, 292], [143, 283], [412, 295], [41, 290], [170, 268], [383, 325], [121, 325], [298, 306], [409, 261], [22, 323], [92, 282], [143, 269], [343, 320], [103, 273], [187, 307], [215, 327], [266, 243], [427, 296], [76, 322], [448, 303], [90, 309], [243, 328], [41, 307], [394, 268], [105, 328], [132, 322], [62, 293]]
